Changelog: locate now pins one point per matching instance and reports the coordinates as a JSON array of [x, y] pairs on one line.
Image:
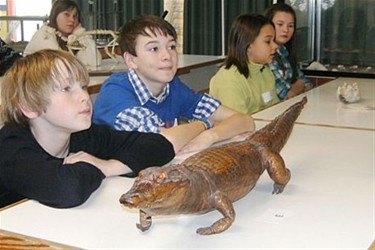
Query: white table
[[324, 109], [329, 203], [186, 64]]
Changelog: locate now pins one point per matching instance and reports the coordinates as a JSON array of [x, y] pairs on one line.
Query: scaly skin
[[214, 178]]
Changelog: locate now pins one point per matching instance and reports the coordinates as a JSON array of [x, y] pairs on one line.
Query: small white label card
[[267, 96], [274, 216]]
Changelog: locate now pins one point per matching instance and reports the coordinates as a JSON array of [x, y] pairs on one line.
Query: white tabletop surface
[[185, 64], [109, 65], [325, 109], [329, 203]]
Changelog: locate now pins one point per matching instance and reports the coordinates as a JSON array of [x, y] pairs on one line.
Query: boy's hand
[[202, 141]]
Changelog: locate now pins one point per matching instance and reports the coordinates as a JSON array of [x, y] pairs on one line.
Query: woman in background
[[245, 83], [290, 80], [64, 31]]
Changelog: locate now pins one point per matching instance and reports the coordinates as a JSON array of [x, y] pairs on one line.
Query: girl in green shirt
[[245, 83]]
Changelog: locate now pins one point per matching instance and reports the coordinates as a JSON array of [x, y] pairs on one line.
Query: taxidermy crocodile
[[215, 177]]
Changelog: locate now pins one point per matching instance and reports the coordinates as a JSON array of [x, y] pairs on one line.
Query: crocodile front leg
[[276, 169], [222, 203], [145, 221]]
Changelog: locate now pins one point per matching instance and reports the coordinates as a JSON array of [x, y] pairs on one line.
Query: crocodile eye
[[162, 175]]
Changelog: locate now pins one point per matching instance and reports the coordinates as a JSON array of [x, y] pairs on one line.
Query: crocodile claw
[[143, 228], [205, 231], [278, 188]]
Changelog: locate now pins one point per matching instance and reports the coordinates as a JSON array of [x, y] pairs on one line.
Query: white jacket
[[45, 38]]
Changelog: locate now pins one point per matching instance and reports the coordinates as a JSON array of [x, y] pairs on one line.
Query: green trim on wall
[[112, 15], [203, 23]]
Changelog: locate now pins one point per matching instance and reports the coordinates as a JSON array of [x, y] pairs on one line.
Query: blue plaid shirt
[[141, 111], [283, 74]]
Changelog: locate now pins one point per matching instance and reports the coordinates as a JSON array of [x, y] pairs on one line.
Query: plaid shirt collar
[[283, 51], [142, 91]]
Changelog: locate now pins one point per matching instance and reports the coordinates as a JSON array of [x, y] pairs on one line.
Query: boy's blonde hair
[[30, 81]]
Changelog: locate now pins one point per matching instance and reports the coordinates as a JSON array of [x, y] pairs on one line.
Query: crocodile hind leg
[[276, 169], [222, 203]]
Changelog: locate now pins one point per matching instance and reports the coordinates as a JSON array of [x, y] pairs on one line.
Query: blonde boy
[[50, 151]]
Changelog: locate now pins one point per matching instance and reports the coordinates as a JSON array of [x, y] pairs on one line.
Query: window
[[336, 32], [21, 18]]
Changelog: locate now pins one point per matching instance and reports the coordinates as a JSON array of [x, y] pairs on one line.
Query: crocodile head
[[158, 190]]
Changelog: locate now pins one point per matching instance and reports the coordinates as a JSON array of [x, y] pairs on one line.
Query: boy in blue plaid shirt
[[151, 98]]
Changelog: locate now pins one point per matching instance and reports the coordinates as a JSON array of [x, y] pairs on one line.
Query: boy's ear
[[130, 60], [29, 113]]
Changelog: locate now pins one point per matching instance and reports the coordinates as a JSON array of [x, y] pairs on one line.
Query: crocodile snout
[[130, 200]]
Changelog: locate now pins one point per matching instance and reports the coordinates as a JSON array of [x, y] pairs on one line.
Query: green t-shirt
[[246, 95]]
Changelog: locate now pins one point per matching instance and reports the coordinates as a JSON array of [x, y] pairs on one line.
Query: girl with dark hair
[[64, 31], [245, 83], [290, 80]]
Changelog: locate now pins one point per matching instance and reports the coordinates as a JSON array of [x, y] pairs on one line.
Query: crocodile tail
[[277, 132]]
